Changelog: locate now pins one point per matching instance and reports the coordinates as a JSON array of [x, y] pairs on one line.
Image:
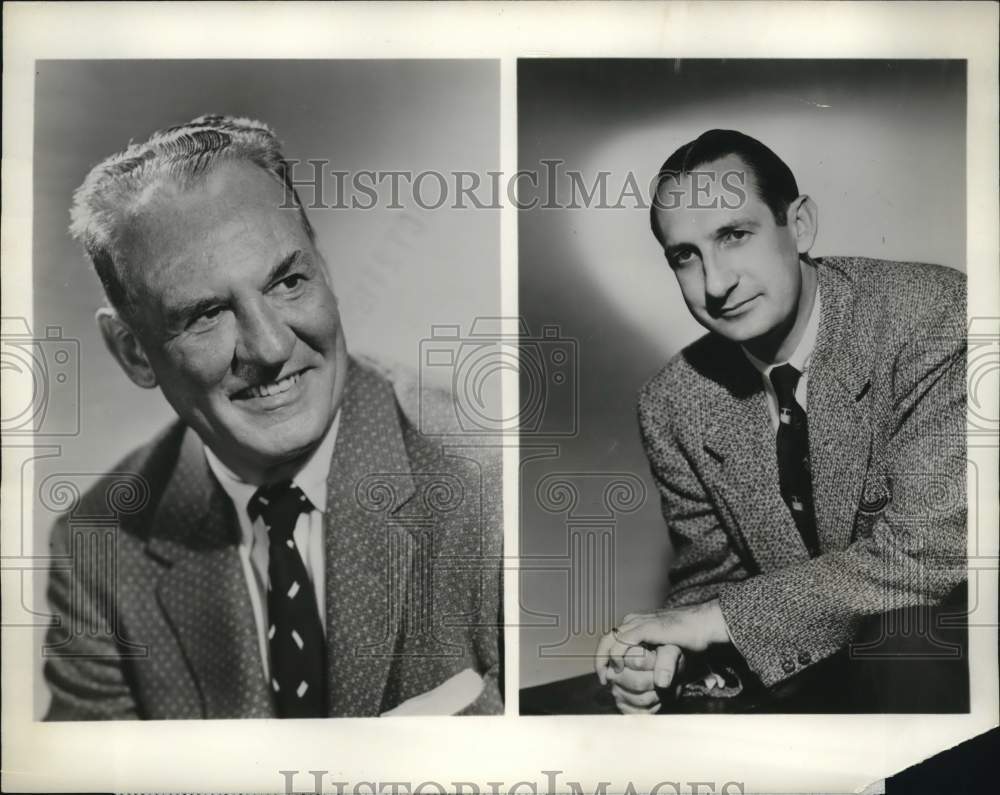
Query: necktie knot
[[279, 505], [785, 378]]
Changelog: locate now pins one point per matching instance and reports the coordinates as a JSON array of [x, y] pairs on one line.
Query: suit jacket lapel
[[203, 591], [368, 557], [840, 433], [741, 440]]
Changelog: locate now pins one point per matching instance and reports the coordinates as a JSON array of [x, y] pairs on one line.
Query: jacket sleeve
[[704, 559], [83, 667], [490, 655], [489, 636], [915, 552]]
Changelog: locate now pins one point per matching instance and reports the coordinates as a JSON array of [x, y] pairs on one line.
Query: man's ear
[[803, 216], [126, 348]]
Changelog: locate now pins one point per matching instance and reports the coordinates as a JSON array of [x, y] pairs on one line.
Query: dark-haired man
[[794, 446], [300, 550]]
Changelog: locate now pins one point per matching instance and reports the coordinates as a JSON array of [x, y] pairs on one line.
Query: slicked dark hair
[[775, 182], [103, 204]]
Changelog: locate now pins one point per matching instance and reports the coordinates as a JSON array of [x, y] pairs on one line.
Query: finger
[[612, 656], [602, 657], [640, 659], [633, 681], [616, 654], [667, 661], [644, 630], [628, 709], [645, 699], [635, 658], [621, 654]]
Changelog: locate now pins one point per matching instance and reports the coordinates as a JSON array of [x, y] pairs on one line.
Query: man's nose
[[720, 278], [265, 338]]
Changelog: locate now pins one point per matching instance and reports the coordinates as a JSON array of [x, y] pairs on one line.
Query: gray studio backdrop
[[397, 272], [880, 147]]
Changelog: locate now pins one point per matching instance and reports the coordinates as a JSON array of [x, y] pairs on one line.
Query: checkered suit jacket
[[887, 429], [159, 624]]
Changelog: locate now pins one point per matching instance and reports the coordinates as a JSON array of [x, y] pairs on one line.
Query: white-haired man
[[291, 558]]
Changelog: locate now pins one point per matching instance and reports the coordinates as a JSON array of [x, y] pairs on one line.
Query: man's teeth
[[274, 388]]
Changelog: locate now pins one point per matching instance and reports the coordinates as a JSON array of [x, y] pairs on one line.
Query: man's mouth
[[735, 309], [269, 389]]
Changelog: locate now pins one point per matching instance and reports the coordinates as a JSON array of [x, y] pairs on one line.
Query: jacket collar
[[739, 435], [837, 352], [195, 533], [368, 552], [202, 592], [840, 431]]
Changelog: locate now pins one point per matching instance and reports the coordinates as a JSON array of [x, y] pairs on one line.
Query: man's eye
[[737, 236], [682, 257], [291, 282], [206, 319]]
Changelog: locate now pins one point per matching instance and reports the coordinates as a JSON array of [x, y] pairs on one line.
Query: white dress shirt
[[800, 359], [308, 533]]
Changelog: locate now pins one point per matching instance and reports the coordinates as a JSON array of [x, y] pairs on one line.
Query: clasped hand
[[647, 651]]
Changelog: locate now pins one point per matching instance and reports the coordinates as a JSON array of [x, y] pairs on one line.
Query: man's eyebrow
[[191, 309], [736, 223], [742, 222], [280, 270], [677, 248]]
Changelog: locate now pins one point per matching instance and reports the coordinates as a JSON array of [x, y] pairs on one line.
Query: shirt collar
[[311, 478], [803, 352]]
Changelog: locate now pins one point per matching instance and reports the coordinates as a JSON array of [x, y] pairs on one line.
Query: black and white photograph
[[759, 268], [499, 398], [256, 509]]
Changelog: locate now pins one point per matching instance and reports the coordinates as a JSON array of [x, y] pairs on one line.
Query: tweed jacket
[[886, 419], [412, 533]]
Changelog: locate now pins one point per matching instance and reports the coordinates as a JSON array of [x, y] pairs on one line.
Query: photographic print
[[254, 506], [620, 378], [758, 493]]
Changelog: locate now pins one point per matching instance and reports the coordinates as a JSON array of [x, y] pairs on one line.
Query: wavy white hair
[[104, 203]]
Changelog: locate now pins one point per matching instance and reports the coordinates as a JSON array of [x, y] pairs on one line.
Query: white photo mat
[[759, 753]]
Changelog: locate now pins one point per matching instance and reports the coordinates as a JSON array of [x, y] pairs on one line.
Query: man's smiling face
[[738, 270], [234, 312]]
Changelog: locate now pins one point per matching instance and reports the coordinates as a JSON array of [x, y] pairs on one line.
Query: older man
[[297, 553], [809, 451]]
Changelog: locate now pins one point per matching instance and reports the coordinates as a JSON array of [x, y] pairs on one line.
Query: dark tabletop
[[585, 695], [832, 686]]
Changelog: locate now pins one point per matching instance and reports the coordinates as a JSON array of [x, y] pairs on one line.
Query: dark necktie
[[294, 633], [793, 455]]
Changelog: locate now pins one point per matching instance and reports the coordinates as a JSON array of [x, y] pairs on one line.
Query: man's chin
[[281, 447], [738, 330], [291, 446]]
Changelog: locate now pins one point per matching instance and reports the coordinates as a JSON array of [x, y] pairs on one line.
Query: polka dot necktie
[[793, 456], [294, 634]]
